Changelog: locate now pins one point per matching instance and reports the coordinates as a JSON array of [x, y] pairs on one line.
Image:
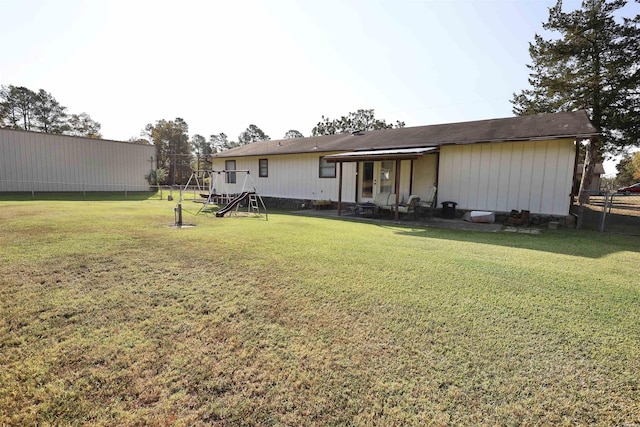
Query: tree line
[[23, 108], [590, 61], [177, 154]]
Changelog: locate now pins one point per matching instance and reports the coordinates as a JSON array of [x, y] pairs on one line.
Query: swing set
[[212, 192]]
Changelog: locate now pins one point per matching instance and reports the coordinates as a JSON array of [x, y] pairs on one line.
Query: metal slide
[[233, 203]]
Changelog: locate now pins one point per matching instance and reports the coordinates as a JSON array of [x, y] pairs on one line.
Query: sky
[[222, 65]]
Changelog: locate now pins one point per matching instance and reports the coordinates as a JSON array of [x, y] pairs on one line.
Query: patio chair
[[410, 207], [385, 202], [430, 201]]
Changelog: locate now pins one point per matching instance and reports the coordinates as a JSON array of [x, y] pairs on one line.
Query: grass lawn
[[109, 316]]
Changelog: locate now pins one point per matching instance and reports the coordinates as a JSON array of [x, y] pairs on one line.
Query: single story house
[[42, 162], [498, 165]]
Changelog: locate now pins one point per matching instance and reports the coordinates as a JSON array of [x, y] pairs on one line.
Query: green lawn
[[109, 316]]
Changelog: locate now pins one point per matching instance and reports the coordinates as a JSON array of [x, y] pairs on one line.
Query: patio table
[[367, 209]]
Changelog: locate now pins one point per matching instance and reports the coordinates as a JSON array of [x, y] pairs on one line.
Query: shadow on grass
[[580, 243], [624, 218]]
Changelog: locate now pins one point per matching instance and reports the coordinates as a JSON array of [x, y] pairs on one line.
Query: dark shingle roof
[[522, 128]]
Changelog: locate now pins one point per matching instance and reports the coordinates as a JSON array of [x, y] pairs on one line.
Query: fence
[[45, 189], [610, 212], [49, 189]]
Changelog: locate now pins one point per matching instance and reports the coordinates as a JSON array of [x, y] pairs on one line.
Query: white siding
[[534, 176], [295, 176], [424, 175], [484, 184], [31, 161], [405, 179]]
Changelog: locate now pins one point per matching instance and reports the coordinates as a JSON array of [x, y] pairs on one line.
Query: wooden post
[[178, 210], [397, 188], [340, 190]]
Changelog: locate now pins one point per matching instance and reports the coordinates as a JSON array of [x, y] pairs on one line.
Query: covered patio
[[396, 155]]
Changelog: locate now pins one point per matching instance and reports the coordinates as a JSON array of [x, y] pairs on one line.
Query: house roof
[[598, 169], [574, 124]]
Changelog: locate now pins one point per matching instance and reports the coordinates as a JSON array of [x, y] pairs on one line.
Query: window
[[230, 165], [327, 169], [387, 176], [263, 168]]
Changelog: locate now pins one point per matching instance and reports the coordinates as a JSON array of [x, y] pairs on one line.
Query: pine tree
[[593, 65], [173, 151]]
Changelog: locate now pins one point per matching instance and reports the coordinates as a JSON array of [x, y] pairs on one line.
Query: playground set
[[209, 188]]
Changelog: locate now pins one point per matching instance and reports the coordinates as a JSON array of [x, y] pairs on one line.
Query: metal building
[[34, 161]]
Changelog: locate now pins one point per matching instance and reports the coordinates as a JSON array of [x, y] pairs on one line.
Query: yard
[[110, 316]]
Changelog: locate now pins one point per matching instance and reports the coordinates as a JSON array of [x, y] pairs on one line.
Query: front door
[[367, 182], [376, 177]]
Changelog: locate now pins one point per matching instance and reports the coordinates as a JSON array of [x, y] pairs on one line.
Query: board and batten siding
[[424, 175], [291, 176], [33, 161], [500, 177], [417, 177]]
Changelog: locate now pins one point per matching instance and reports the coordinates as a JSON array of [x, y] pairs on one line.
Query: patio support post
[[340, 189], [397, 188]]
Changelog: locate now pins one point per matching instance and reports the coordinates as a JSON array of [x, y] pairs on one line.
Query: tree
[[156, 176], [593, 66], [625, 173], [49, 115], [220, 142], [173, 151], [201, 148], [139, 140], [252, 134], [83, 125], [17, 104], [293, 134], [22, 108], [8, 114], [361, 120], [628, 170], [635, 164]]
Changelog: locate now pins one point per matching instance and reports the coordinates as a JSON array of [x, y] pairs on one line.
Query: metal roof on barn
[[574, 124]]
